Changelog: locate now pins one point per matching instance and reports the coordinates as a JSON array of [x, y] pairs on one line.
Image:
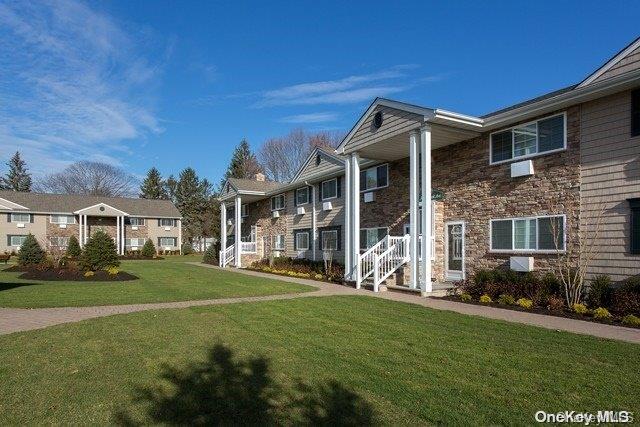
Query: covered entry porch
[[389, 131]]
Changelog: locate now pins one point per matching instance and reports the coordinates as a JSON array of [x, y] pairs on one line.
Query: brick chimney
[[260, 176]]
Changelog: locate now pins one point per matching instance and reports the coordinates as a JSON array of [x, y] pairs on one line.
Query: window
[[135, 242], [532, 234], [15, 240], [374, 178], [134, 221], [329, 239], [529, 139], [20, 217], [62, 219], [166, 222], [370, 236], [277, 202], [167, 241], [278, 242], [244, 211], [635, 113], [302, 196], [634, 204], [329, 189], [301, 240], [59, 242]]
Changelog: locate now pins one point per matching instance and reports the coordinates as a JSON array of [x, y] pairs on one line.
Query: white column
[[314, 224], [223, 232], [180, 236], [348, 232], [425, 149], [85, 235], [122, 235], [355, 219], [80, 230], [238, 231], [413, 206], [118, 235]]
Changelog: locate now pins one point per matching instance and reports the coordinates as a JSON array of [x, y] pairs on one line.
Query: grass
[[308, 360], [170, 279]]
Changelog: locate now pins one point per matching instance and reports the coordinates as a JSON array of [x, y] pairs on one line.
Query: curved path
[[17, 319]]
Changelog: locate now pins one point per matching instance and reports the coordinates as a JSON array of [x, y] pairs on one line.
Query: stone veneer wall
[[54, 230]]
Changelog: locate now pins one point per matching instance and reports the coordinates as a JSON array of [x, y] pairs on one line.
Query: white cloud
[[75, 84], [310, 118]]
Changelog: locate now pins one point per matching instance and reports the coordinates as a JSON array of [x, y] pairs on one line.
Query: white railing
[[366, 261], [227, 256], [389, 261], [249, 247]]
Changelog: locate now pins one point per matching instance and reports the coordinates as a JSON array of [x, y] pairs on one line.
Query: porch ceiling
[[397, 146]]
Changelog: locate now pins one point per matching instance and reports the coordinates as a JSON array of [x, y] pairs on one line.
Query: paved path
[[15, 320]]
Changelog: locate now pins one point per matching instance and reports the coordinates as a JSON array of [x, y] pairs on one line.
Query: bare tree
[[94, 178], [282, 157]]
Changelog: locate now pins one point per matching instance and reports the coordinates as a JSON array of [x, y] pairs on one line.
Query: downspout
[[313, 218]]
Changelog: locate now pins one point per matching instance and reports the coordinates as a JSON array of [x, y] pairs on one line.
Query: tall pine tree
[[191, 196], [244, 163], [153, 187], [18, 178]]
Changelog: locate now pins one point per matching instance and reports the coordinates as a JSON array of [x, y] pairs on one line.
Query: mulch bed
[[58, 274], [324, 279], [541, 310]]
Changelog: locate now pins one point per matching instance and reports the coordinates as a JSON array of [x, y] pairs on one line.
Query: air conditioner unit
[[167, 229], [20, 225], [276, 214], [134, 248], [167, 248], [134, 227], [327, 206], [521, 263], [63, 225], [229, 222], [300, 210], [368, 197], [524, 168]]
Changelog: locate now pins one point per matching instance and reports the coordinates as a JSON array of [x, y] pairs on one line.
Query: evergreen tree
[[152, 187], [171, 186], [244, 163], [149, 249], [190, 199], [73, 249], [99, 253], [18, 178], [31, 252]]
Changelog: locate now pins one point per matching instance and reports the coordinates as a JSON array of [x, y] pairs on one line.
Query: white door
[[454, 250]]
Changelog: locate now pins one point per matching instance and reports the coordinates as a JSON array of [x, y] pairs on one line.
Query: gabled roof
[[329, 152], [252, 185], [70, 203], [630, 48]]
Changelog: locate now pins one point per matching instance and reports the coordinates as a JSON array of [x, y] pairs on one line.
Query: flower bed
[[67, 274], [303, 268], [543, 294]]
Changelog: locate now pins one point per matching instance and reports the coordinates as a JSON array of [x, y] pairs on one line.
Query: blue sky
[[176, 84]]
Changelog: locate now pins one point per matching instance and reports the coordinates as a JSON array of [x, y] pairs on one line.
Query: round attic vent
[[377, 120], [101, 208]]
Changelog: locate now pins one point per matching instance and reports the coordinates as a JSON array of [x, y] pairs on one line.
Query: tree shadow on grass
[[7, 286], [225, 391]]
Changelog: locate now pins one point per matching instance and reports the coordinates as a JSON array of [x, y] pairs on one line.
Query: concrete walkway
[[15, 320]]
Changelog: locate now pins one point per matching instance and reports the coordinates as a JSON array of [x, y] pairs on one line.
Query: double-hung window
[[278, 242], [58, 241], [302, 196], [277, 202], [16, 240], [370, 236], [374, 178], [329, 189], [529, 139], [134, 242], [166, 222], [329, 240], [634, 204], [134, 221], [531, 234], [62, 219], [167, 241], [20, 217], [302, 240]]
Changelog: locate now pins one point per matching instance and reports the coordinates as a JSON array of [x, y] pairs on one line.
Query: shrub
[[555, 303], [318, 277], [465, 297], [506, 299], [626, 299], [579, 308], [525, 303], [187, 249], [485, 299], [88, 273], [73, 248], [148, 249], [631, 320], [599, 294], [99, 253], [601, 313], [30, 252], [210, 255], [113, 271]]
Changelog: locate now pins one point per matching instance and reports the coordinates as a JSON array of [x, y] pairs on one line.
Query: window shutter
[[339, 187], [635, 113], [158, 242], [320, 192], [8, 240], [295, 241], [8, 217], [635, 226], [159, 222], [339, 238], [363, 180], [320, 238], [31, 218], [383, 172], [363, 239]]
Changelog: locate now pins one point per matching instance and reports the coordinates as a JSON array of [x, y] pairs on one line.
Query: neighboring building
[[53, 218], [556, 174]]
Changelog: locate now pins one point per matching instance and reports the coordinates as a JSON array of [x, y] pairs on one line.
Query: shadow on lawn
[[223, 391], [7, 286]]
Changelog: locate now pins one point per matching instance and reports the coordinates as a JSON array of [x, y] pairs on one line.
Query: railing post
[[376, 273]]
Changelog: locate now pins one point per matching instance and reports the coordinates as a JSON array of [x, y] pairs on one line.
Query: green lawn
[[160, 281], [309, 360]]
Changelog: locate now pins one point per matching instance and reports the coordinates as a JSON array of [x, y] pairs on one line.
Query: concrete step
[[437, 290]]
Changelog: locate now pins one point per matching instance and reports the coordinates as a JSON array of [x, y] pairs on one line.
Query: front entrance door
[[454, 250]]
